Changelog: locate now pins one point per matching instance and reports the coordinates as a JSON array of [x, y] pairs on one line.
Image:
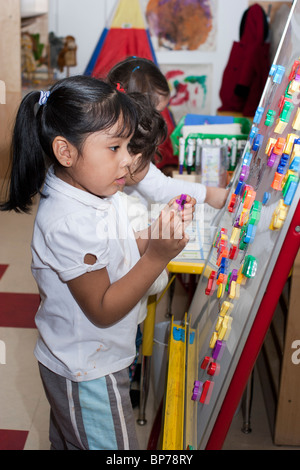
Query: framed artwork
[[190, 86], [182, 24]]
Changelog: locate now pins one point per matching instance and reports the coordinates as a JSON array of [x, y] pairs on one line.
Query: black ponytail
[[27, 160], [76, 107]]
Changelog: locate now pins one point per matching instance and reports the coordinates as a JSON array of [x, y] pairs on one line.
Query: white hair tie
[[43, 97]]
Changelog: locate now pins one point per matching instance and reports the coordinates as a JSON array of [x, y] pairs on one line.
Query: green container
[[177, 133]]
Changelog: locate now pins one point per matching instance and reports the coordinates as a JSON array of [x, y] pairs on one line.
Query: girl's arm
[[105, 303], [157, 187], [216, 197]]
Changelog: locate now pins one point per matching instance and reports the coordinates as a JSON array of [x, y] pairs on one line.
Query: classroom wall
[[83, 19], [86, 19]]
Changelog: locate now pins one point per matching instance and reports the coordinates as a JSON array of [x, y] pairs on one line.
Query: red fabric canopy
[[124, 37]]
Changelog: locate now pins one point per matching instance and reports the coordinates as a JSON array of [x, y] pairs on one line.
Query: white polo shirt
[[69, 224]]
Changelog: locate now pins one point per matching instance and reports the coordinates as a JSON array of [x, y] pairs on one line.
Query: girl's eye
[[115, 148]]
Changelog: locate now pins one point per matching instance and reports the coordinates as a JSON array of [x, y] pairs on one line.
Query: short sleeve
[[158, 187], [72, 239]]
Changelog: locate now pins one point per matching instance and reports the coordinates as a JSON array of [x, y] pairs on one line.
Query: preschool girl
[[71, 148]]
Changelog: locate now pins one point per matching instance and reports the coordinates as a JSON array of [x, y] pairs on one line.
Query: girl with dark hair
[[72, 145], [136, 74]]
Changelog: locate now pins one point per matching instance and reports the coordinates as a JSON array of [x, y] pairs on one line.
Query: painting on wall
[[182, 24], [190, 86]]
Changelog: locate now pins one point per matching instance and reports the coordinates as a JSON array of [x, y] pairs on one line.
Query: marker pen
[[181, 154], [198, 156], [233, 153], [190, 156], [224, 153]]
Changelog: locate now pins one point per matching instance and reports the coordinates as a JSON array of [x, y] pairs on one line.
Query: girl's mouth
[[121, 181]]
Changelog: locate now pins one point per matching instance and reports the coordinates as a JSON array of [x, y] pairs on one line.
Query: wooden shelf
[[10, 74], [279, 374], [287, 423], [11, 26]]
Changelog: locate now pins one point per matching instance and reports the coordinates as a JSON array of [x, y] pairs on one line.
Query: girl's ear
[[64, 151], [136, 160]]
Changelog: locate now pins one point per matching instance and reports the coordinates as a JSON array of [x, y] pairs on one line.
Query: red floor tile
[[3, 268], [12, 440], [18, 310]]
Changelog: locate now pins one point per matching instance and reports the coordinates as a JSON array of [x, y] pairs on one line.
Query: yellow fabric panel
[[128, 15]]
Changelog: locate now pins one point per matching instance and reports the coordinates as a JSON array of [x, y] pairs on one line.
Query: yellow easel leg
[[174, 402], [148, 330]]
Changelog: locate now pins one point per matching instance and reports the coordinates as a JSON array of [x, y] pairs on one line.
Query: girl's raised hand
[[185, 205], [167, 235]]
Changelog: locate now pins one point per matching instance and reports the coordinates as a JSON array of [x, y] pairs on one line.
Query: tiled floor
[[23, 407]]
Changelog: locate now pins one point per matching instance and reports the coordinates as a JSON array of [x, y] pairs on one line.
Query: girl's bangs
[[128, 117], [126, 126], [123, 116]]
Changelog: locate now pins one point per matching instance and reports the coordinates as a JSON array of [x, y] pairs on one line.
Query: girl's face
[[102, 167]]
